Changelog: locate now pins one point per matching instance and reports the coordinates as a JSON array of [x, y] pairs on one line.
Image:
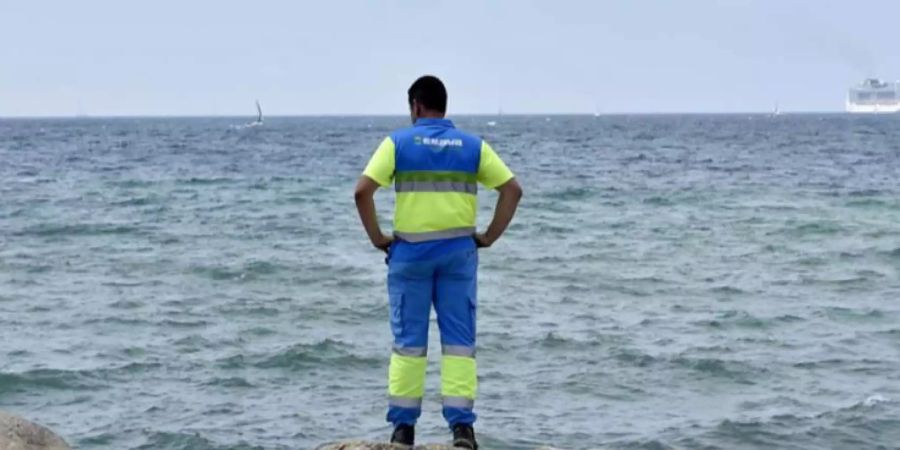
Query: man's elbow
[[360, 194], [512, 189], [365, 188]]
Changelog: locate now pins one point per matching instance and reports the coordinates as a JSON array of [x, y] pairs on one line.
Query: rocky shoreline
[[17, 433]]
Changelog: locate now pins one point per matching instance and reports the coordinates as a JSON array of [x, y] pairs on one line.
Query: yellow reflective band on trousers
[[459, 376], [406, 376]]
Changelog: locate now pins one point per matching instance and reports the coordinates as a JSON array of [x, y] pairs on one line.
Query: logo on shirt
[[438, 142]]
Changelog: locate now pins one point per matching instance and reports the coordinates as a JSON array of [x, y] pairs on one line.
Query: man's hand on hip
[[482, 241], [383, 243]]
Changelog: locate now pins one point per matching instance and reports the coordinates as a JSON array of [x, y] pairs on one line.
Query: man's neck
[[431, 115]]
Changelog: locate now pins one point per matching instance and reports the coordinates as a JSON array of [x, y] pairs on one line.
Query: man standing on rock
[[432, 256]]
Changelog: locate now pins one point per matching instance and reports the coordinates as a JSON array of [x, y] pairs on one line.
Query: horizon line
[[361, 115]]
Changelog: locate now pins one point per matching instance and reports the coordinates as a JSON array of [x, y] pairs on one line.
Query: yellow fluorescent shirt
[[381, 166], [492, 172]]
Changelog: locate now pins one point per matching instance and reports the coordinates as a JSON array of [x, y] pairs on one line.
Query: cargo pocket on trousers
[[396, 304]]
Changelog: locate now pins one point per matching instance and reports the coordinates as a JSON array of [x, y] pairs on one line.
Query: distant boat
[[259, 119], [776, 111], [255, 123], [874, 96], [493, 123]]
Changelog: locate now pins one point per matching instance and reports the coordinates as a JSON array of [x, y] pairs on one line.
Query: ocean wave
[[160, 440], [658, 201], [736, 371], [326, 353], [39, 380], [192, 343], [303, 356], [552, 340], [230, 382], [771, 403], [727, 290], [172, 323], [102, 440], [38, 268], [259, 331], [844, 314], [62, 230], [117, 320], [553, 206], [249, 310], [136, 201], [204, 181], [127, 304], [777, 432], [634, 358], [865, 424], [873, 400], [573, 193], [361, 313], [811, 229], [736, 319], [250, 271], [789, 318], [651, 444], [891, 333], [644, 136]]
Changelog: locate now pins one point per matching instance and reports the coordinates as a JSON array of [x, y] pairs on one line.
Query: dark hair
[[429, 92]]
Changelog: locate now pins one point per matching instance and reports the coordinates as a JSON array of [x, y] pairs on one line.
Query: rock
[[19, 434], [362, 445]]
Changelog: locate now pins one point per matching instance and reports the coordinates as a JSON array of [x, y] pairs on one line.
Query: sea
[[669, 282]]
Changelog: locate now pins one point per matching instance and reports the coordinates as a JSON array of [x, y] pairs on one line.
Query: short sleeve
[[381, 166], [492, 172]]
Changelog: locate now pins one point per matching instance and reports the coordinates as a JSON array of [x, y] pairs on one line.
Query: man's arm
[[365, 205], [510, 194]]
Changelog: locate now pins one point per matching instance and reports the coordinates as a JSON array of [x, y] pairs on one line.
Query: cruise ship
[[874, 96]]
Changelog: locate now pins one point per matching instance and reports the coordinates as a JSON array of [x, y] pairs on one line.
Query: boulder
[[362, 445], [17, 433]]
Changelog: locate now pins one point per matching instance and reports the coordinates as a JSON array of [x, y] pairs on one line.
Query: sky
[[342, 57]]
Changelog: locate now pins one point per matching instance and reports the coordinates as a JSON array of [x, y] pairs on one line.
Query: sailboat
[[493, 123], [255, 123], [776, 111], [259, 118]]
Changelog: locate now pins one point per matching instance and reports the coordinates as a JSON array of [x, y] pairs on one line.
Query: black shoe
[[464, 437], [404, 435]]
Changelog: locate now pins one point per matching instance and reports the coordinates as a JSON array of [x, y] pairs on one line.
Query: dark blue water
[[671, 281]]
